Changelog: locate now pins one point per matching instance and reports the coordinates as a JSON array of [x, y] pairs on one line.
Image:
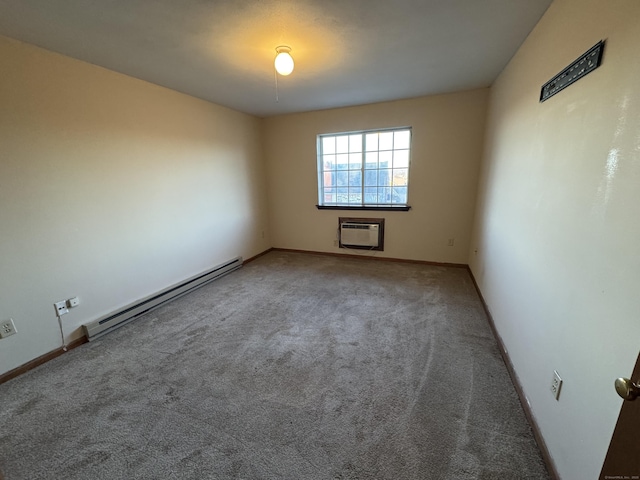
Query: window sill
[[373, 208]]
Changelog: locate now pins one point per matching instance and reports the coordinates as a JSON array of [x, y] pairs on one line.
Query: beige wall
[[446, 150], [558, 224], [112, 188]]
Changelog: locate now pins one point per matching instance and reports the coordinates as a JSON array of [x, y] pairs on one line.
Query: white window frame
[[337, 162]]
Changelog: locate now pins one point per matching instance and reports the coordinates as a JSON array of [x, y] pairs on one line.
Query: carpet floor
[[296, 366]]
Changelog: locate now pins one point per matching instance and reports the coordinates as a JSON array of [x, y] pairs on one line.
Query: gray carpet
[[296, 366]]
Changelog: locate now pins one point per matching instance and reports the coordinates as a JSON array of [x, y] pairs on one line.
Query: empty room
[[262, 239]]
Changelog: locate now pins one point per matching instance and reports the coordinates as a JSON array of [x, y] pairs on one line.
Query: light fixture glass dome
[[284, 61]]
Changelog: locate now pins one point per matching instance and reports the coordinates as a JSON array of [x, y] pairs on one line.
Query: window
[[367, 169]]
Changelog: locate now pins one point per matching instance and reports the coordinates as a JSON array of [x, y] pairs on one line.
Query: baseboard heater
[[110, 322]]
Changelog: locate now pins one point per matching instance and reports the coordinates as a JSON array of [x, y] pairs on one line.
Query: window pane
[[400, 158], [355, 178], [355, 143], [328, 179], [385, 159], [384, 177], [402, 139], [329, 162], [355, 160], [342, 195], [370, 195], [372, 142], [386, 141], [342, 144], [329, 195], [370, 178], [355, 195], [328, 145], [384, 195], [342, 161], [400, 176], [371, 160], [342, 178], [399, 195]]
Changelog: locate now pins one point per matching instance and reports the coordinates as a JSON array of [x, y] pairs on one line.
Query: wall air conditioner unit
[[359, 234]]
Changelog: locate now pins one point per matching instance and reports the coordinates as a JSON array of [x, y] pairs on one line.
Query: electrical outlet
[[73, 302], [556, 385], [7, 328], [61, 307], [451, 242]]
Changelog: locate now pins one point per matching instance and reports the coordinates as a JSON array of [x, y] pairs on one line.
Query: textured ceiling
[[347, 52]]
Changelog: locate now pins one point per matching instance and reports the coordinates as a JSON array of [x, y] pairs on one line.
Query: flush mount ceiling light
[[284, 61]]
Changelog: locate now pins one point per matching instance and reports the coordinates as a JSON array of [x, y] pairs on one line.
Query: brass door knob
[[627, 389]]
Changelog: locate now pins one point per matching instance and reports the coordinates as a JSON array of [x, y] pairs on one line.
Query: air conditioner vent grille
[[366, 233]]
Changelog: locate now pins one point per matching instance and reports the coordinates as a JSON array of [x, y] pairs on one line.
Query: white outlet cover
[[61, 307], [556, 385], [7, 328]]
